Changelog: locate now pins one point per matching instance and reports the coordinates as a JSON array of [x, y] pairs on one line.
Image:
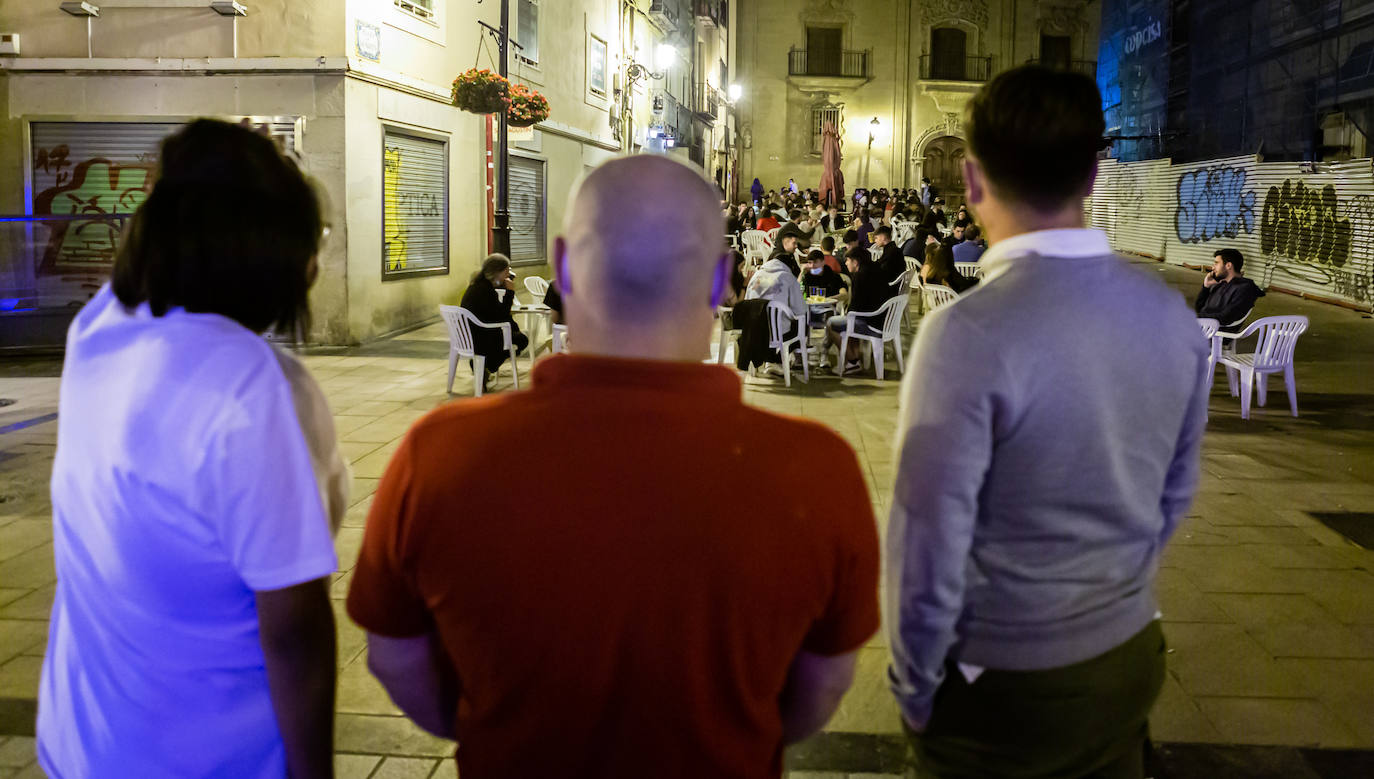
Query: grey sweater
[[1048, 445]]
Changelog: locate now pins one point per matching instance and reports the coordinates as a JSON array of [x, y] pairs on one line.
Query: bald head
[[641, 242]]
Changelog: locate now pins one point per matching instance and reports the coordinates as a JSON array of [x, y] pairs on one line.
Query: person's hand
[[510, 285], [1209, 281]]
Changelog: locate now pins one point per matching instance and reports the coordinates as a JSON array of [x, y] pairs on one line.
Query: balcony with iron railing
[[829, 63], [705, 101], [711, 12], [1086, 67], [974, 69]]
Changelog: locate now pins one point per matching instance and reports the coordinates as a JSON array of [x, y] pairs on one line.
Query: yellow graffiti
[[393, 238]]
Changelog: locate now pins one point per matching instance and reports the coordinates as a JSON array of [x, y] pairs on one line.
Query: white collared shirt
[[1062, 242]]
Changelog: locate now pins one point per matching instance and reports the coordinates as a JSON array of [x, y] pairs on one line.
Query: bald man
[[554, 578]]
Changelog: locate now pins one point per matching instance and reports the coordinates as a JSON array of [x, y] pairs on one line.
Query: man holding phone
[[1227, 296]]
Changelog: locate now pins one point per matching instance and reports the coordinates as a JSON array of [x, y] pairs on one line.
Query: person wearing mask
[[868, 291], [490, 296], [1226, 295], [817, 276], [191, 630], [927, 192], [612, 621], [969, 249], [1021, 614]]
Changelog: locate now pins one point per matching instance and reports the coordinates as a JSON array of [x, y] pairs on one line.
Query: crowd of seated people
[[857, 259]]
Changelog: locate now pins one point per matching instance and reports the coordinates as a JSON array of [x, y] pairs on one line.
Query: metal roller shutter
[[414, 206], [1302, 227], [63, 153], [527, 194]]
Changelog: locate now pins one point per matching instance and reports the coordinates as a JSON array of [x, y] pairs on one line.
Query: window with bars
[[528, 32], [424, 9], [822, 115]]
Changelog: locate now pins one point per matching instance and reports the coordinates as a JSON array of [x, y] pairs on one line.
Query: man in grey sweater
[[1048, 448]]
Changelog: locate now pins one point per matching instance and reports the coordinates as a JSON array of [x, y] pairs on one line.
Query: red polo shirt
[[621, 566]]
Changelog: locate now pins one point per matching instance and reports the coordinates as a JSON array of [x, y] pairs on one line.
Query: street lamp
[[664, 56]]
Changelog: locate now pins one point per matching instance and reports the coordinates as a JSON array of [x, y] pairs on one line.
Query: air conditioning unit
[[9, 43]]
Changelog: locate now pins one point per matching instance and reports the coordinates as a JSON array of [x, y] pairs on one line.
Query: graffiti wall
[[1302, 227]]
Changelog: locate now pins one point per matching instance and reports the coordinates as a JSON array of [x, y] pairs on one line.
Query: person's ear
[[721, 280], [560, 266], [974, 186]]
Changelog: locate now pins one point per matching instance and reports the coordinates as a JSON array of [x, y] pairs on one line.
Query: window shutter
[[527, 239], [414, 206]]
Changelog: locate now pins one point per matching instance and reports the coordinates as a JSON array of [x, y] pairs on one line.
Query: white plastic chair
[[538, 287], [460, 322], [1277, 338], [971, 270], [899, 285], [780, 320], [1209, 331], [560, 339], [937, 295], [891, 312], [756, 246], [726, 336], [773, 235]]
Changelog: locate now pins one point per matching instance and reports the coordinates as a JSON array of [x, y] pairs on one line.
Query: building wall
[[912, 111], [1306, 228], [272, 28], [348, 70]]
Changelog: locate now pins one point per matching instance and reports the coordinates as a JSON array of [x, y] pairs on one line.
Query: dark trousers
[[1083, 720]]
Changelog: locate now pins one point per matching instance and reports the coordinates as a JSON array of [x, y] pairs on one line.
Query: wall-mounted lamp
[[228, 8], [873, 128], [81, 9], [734, 93]]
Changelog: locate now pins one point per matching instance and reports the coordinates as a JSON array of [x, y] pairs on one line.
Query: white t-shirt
[[182, 484]]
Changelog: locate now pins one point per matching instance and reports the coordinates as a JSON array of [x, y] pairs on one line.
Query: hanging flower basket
[[481, 92], [527, 107]]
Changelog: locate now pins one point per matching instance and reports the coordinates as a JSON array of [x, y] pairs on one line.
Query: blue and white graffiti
[[1213, 203]]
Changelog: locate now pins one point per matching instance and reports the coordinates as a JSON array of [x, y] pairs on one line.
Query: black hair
[[815, 255], [828, 243], [1232, 256], [884, 230], [858, 254], [230, 228], [925, 180], [794, 215], [850, 236], [1036, 133]]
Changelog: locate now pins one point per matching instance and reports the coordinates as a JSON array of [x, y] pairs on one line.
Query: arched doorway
[[944, 166]]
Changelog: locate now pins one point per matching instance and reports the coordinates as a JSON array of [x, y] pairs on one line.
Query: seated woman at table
[[939, 269], [483, 300]]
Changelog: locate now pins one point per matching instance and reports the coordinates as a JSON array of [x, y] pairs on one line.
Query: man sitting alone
[[1227, 296]]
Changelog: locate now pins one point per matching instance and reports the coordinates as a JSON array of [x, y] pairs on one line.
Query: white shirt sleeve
[[270, 517]]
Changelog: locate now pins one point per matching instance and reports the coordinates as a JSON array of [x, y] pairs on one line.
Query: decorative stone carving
[[1062, 19], [937, 11], [827, 12], [951, 126]]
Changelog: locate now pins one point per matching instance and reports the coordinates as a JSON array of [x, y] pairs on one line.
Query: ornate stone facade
[[973, 11], [1062, 19]]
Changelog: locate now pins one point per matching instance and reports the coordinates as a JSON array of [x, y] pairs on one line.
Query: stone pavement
[[1268, 612]]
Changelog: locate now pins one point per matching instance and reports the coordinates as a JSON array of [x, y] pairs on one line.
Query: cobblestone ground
[[1269, 613]]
